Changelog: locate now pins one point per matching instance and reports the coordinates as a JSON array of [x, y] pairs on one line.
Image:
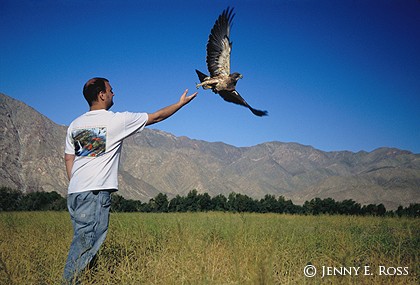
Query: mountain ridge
[[154, 161]]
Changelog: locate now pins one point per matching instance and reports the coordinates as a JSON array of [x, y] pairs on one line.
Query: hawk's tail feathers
[[201, 75], [258, 113]]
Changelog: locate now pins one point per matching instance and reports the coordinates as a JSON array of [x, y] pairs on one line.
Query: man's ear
[[101, 96]]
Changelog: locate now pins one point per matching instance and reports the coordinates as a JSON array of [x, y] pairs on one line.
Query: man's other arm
[[69, 160]]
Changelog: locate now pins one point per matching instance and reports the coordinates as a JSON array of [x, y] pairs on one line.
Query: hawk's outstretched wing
[[219, 45], [234, 97]]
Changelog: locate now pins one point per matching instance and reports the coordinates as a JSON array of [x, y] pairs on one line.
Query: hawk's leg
[[204, 85], [207, 83]]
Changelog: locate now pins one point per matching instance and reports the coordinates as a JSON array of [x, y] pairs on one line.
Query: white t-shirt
[[95, 138]]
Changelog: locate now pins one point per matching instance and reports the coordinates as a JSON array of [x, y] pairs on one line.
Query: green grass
[[213, 248]]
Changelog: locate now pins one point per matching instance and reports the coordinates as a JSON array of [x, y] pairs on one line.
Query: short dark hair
[[93, 87]]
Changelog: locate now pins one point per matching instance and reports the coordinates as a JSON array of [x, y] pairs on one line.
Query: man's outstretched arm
[[168, 111]]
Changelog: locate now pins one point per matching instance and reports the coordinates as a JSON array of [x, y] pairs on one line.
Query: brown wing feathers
[[219, 33]]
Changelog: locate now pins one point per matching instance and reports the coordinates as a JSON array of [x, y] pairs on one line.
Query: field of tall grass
[[217, 248]]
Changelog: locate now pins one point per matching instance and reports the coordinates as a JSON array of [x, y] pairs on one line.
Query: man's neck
[[96, 107]]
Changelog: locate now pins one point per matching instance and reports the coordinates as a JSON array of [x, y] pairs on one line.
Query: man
[[92, 153]]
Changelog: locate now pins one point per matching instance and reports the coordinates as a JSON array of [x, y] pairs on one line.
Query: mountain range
[[153, 161]]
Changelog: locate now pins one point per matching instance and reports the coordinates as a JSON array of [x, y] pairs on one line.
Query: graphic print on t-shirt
[[90, 141]]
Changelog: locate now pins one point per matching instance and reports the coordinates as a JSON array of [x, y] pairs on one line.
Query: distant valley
[[153, 162]]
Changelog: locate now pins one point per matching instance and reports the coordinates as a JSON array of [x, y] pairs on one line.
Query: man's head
[[98, 91]]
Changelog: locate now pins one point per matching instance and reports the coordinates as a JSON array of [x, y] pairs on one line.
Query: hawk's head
[[236, 76]]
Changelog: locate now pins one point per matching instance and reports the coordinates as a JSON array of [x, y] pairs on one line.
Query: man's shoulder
[[108, 116], [94, 114], [90, 117]]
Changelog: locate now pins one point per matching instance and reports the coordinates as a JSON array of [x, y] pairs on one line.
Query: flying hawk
[[221, 81]]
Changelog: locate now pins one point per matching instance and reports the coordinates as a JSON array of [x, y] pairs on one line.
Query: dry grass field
[[217, 248]]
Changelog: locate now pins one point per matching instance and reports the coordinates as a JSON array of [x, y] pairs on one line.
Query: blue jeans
[[89, 212]]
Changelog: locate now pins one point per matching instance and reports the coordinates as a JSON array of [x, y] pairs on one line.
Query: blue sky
[[336, 75]]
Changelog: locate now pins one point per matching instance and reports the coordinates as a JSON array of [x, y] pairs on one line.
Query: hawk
[[219, 47]]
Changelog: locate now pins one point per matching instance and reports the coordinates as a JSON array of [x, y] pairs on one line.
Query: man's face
[[109, 94]]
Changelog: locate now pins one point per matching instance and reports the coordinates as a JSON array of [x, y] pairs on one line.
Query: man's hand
[[184, 100], [168, 111]]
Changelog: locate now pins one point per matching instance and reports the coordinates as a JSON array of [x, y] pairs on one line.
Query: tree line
[[15, 200]]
